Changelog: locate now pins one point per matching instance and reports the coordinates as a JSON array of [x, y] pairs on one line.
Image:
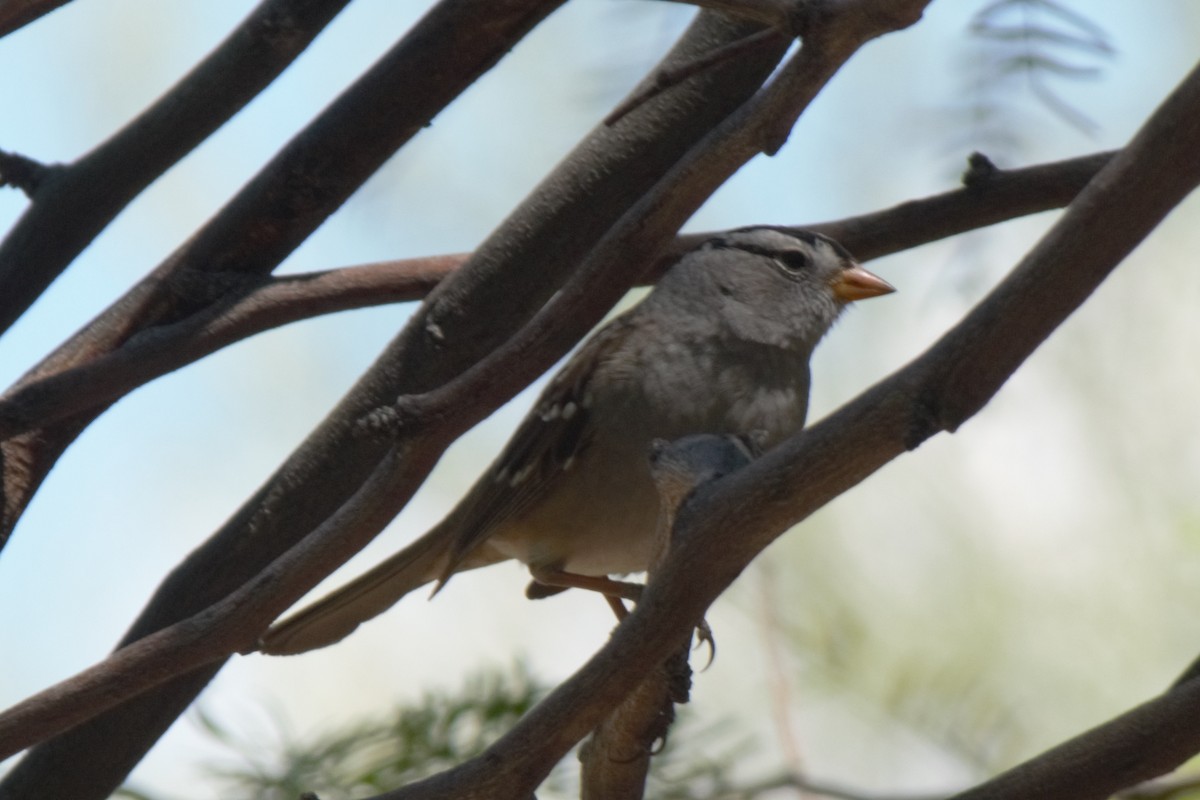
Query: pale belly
[[575, 529], [602, 518]]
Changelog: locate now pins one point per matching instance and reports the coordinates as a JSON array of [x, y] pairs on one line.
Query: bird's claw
[[704, 635]]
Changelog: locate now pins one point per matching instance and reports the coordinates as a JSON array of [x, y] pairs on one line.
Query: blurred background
[[968, 606]]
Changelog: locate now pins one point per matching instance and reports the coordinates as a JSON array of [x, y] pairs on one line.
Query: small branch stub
[[22, 172]]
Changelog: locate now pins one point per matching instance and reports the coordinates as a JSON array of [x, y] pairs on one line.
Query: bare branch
[[250, 305], [666, 78], [69, 211], [22, 172], [14, 16], [1001, 196]]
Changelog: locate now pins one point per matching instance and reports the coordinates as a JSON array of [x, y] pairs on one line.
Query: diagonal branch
[[14, 16], [72, 203], [231, 625], [666, 78]]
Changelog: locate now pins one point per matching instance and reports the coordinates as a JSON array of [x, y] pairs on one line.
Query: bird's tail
[[335, 616]]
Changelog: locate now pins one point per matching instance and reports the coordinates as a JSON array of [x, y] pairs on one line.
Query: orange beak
[[855, 283]]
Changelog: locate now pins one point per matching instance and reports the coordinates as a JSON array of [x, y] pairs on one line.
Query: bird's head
[[773, 286]]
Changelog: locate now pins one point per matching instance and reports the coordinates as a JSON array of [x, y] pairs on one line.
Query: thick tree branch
[[525, 262], [72, 203], [234, 623], [1147, 741], [253, 305]]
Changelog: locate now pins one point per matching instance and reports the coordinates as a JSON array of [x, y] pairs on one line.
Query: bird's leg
[[551, 578], [548, 581]]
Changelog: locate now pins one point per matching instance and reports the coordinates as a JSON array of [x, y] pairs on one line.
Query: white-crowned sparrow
[[721, 345]]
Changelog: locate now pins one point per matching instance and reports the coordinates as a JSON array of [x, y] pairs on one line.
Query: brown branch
[[16, 15], [525, 262], [22, 172], [616, 758], [69, 210], [938, 391], [1003, 195], [251, 306], [231, 625], [270, 303]]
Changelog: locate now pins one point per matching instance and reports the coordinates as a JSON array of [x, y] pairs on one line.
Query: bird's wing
[[556, 432]]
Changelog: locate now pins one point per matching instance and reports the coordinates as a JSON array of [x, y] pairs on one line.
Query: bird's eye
[[793, 260]]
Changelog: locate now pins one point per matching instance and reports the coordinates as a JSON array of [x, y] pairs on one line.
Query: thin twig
[[669, 77], [14, 16]]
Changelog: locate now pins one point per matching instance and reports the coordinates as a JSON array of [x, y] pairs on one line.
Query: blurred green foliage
[[441, 730]]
